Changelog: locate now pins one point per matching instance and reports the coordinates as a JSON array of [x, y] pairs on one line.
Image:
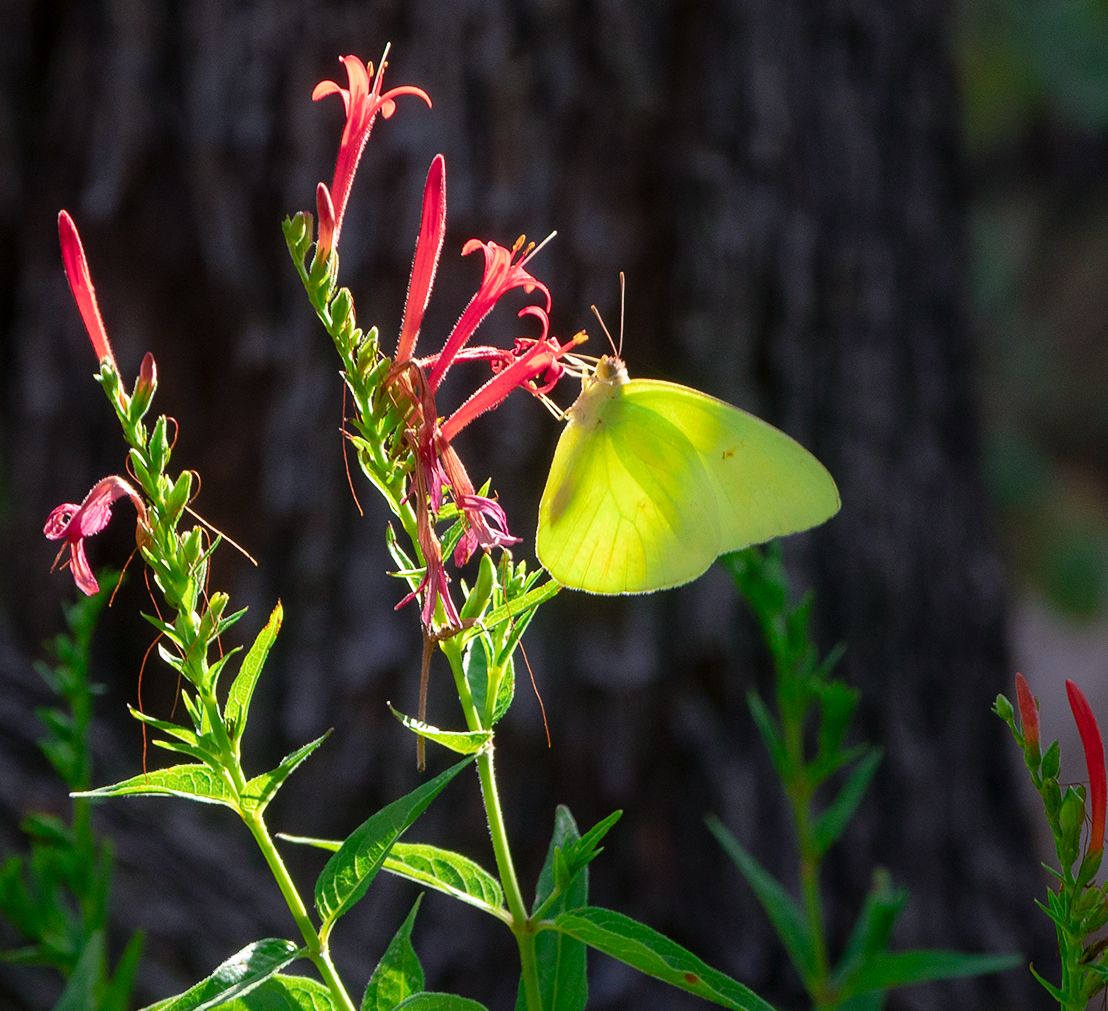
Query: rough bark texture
[[780, 181]]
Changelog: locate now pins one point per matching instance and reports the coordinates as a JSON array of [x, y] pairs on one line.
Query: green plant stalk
[[255, 822], [800, 795], [522, 926]]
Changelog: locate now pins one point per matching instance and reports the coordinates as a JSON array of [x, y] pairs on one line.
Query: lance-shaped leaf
[[285, 993], [874, 927], [787, 917], [242, 688], [193, 782], [439, 1002], [237, 976], [450, 873], [904, 968], [464, 742], [398, 975], [80, 990], [262, 789], [560, 959], [831, 823], [350, 871], [643, 948]]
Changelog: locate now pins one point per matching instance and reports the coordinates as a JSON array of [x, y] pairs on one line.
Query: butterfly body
[[652, 481]]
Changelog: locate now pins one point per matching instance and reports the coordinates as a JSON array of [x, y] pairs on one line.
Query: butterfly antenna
[[622, 292], [596, 313]]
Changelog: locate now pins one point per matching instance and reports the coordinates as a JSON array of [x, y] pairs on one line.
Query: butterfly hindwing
[[765, 483]]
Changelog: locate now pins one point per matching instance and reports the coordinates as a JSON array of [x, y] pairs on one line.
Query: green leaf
[[831, 822], [516, 608], [439, 1002], [193, 782], [448, 872], [464, 742], [262, 789], [80, 991], [561, 959], [398, 974], [904, 968], [771, 735], [787, 918], [118, 994], [285, 993], [350, 871], [874, 927], [837, 704], [643, 948], [242, 688], [237, 976]]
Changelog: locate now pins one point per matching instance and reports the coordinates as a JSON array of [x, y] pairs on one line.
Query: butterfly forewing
[[766, 484]]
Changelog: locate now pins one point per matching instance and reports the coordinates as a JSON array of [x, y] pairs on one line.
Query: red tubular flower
[[362, 105], [530, 360], [76, 522], [432, 231], [502, 273], [1094, 759], [1029, 712], [80, 283]]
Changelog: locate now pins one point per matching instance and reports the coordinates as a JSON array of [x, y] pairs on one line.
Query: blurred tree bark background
[[782, 184]]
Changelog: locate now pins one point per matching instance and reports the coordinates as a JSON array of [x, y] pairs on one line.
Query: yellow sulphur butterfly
[[652, 481]]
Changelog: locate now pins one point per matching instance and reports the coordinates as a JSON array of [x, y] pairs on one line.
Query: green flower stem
[[522, 926], [255, 821], [800, 794], [317, 950]]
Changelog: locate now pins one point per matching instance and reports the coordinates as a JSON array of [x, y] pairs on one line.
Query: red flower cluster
[[533, 364]]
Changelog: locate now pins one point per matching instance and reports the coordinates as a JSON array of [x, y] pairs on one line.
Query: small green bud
[[178, 496], [1070, 818], [1052, 798], [1003, 708], [192, 546], [342, 311], [478, 597], [158, 446], [145, 386], [298, 234], [1051, 762]]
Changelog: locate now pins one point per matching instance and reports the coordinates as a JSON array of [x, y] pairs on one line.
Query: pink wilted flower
[[76, 522], [1094, 760], [80, 283], [362, 102]]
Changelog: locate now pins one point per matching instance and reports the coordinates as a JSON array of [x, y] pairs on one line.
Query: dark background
[[787, 188]]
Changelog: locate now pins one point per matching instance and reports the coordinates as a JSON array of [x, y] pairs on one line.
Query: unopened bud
[[1029, 719], [145, 386], [326, 212]]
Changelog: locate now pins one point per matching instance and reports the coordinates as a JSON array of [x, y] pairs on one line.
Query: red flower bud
[[1029, 712], [1094, 759]]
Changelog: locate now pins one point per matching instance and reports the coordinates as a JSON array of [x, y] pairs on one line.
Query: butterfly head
[[610, 369]]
